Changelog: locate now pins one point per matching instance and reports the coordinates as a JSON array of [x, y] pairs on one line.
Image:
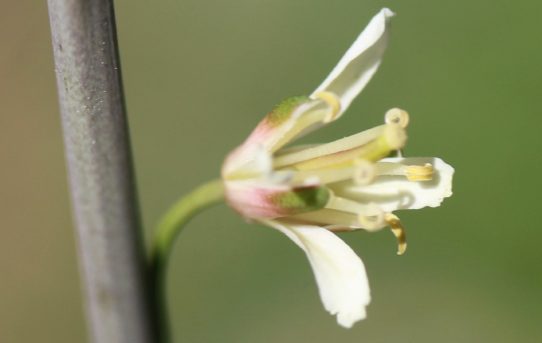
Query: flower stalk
[[167, 230]]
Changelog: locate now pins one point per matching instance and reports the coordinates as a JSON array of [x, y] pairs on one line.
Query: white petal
[[339, 272], [360, 62], [397, 193], [247, 157]]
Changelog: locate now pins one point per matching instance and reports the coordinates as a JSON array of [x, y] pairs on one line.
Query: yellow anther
[[364, 172], [397, 116], [332, 100], [419, 173], [398, 231]]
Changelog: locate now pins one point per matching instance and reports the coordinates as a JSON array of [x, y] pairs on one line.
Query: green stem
[[167, 230]]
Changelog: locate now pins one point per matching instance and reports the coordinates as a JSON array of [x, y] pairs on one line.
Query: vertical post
[[100, 171]]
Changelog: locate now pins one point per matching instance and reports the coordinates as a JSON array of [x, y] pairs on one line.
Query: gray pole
[[100, 171]]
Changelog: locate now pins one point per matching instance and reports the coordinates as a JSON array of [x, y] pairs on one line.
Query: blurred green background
[[199, 75]]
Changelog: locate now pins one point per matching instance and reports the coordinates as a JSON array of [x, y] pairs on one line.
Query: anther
[[397, 116], [398, 231], [364, 172], [419, 173], [332, 100]]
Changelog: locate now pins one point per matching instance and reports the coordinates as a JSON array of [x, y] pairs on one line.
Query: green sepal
[[284, 110], [301, 199]]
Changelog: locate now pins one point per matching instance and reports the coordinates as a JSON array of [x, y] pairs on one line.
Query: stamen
[[332, 100], [361, 172], [397, 116], [374, 221], [370, 217], [391, 137], [290, 157], [412, 173], [395, 136], [324, 175], [419, 173], [398, 231], [365, 172]]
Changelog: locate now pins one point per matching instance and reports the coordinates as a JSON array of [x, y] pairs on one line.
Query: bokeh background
[[198, 77]]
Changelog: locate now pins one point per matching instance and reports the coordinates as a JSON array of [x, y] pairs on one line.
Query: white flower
[[309, 192]]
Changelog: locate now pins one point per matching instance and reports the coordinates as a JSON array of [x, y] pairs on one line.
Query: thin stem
[[166, 232], [100, 170]]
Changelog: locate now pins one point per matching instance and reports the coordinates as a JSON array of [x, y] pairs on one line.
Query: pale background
[[199, 75]]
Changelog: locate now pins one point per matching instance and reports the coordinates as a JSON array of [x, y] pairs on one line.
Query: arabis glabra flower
[[310, 192]]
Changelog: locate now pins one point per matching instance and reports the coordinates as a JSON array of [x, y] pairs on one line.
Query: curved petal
[[397, 193], [360, 62], [287, 121], [297, 116], [339, 272]]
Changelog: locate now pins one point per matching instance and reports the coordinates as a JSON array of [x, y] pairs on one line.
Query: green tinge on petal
[[284, 110], [303, 199]]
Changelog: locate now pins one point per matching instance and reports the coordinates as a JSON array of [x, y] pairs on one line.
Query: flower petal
[[297, 116], [290, 119], [360, 62], [339, 272], [397, 193]]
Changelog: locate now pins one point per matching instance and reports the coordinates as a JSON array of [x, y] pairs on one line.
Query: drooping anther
[[398, 231], [333, 102], [419, 173], [397, 116], [365, 172]]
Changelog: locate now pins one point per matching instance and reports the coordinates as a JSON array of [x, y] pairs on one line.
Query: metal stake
[[100, 171]]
